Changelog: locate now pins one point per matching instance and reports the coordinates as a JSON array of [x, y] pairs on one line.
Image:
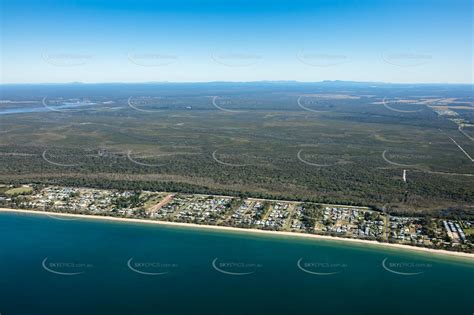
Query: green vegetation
[[174, 148], [262, 211], [18, 191], [311, 214], [131, 201], [234, 204], [469, 232]]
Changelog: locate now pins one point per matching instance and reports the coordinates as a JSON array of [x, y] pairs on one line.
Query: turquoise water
[[56, 266]]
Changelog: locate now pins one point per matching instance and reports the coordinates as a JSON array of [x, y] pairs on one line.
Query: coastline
[[437, 252]]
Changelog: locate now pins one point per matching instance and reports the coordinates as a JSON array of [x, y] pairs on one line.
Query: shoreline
[[437, 252]]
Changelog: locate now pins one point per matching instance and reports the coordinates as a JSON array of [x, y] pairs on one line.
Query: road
[[467, 154]]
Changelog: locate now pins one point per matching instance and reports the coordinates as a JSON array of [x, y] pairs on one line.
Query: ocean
[[56, 265]]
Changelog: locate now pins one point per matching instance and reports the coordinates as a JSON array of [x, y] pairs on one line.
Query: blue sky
[[419, 41]]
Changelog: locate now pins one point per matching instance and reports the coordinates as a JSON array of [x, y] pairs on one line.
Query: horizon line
[[226, 81]]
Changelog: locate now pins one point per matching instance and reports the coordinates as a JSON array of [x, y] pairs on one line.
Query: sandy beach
[[252, 231]]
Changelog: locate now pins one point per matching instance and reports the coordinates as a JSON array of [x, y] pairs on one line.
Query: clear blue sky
[[420, 41]]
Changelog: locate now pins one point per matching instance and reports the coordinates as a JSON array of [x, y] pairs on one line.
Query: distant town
[[274, 215]]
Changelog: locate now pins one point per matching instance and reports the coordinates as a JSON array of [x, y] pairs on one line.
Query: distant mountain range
[[234, 83]]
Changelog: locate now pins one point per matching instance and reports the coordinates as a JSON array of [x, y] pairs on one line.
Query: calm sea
[[50, 265]]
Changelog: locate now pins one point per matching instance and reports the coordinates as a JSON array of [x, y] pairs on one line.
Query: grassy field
[[19, 191]]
